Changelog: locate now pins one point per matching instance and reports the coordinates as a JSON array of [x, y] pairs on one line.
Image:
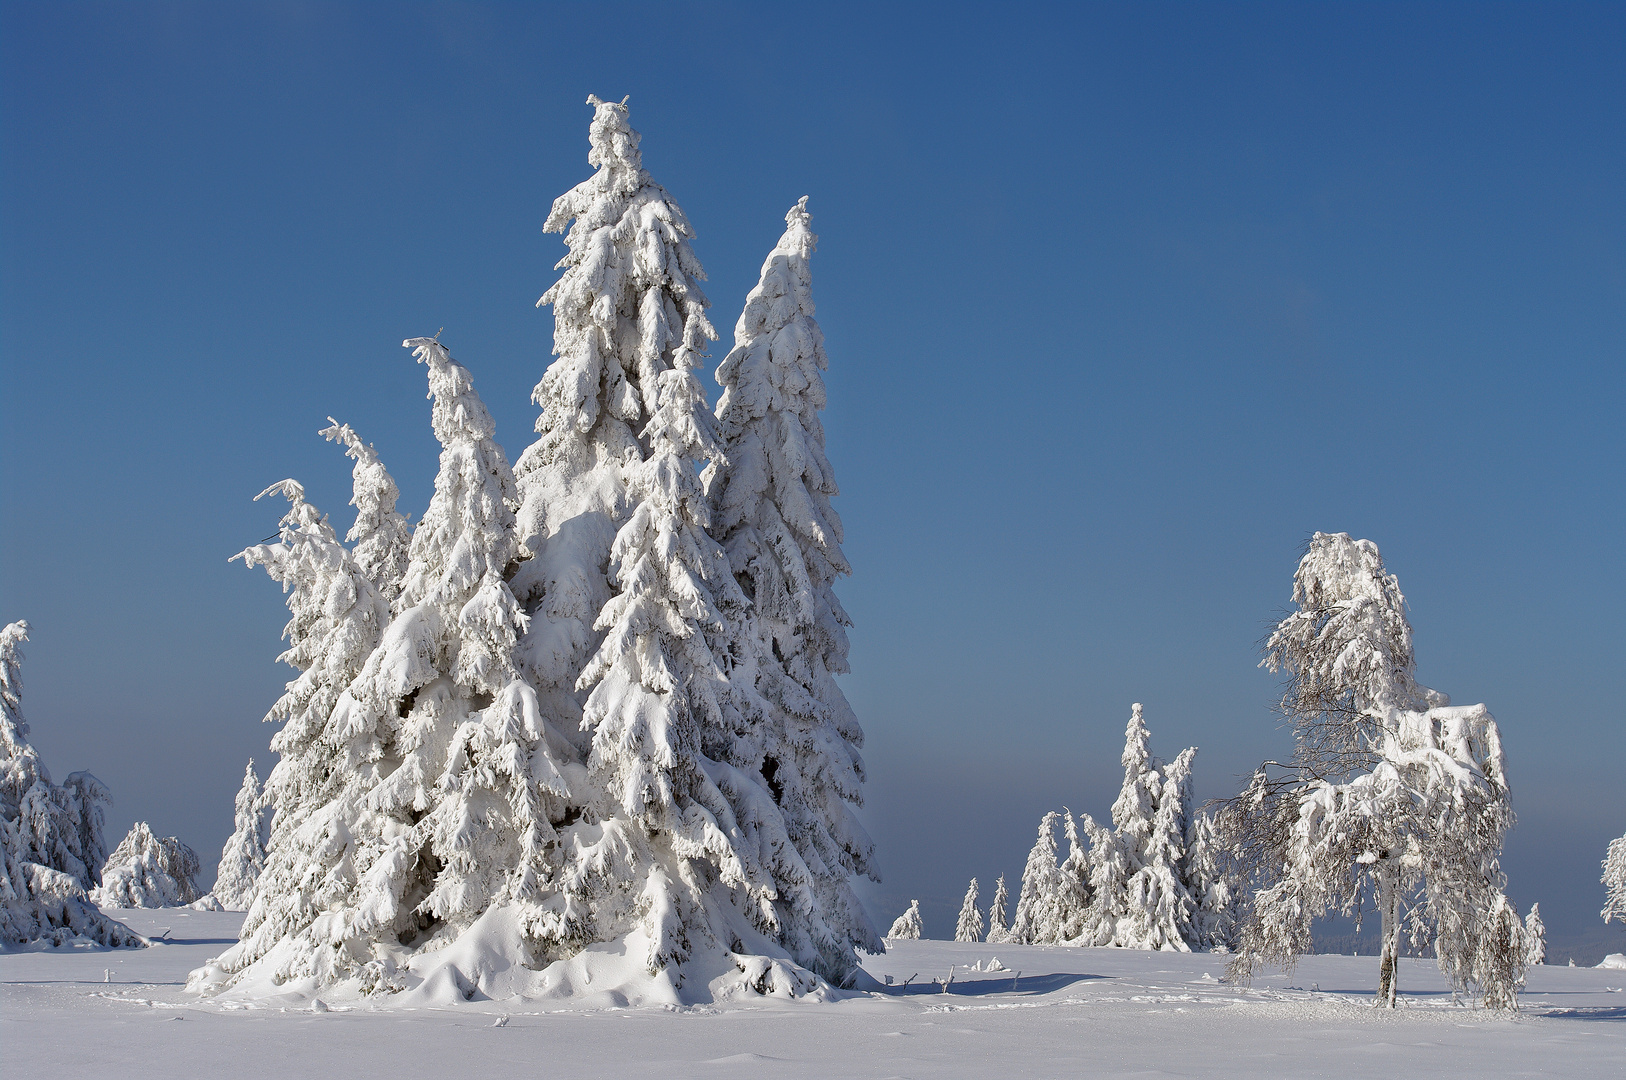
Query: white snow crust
[[1052, 1011]]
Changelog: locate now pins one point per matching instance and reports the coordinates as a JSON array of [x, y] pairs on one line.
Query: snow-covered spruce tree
[[771, 493], [1392, 796], [702, 848], [1052, 904], [148, 871], [999, 926], [243, 858], [969, 925], [437, 782], [1535, 936], [907, 927], [381, 539], [1614, 880], [1214, 892], [628, 301], [329, 757], [51, 846]]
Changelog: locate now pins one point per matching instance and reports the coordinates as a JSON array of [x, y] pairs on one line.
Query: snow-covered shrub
[[243, 858], [969, 926], [147, 871], [51, 845], [1393, 798], [907, 927], [1614, 880]]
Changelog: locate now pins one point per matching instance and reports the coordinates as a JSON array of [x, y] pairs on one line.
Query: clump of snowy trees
[[1154, 880], [148, 871], [593, 694], [1393, 798], [51, 843]]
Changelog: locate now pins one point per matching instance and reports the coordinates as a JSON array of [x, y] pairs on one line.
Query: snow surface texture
[[1152, 881], [560, 732], [1053, 1012], [1394, 798], [147, 871], [51, 844]]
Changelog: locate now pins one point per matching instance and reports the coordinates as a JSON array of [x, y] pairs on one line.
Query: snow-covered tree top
[[20, 765], [466, 535], [380, 534], [1347, 650]]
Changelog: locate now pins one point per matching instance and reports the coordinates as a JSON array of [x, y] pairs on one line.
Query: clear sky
[[1122, 303]]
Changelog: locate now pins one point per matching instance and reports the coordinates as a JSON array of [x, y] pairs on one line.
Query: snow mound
[[490, 962], [1614, 960]]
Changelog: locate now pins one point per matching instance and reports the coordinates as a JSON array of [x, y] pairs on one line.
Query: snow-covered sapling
[[969, 925]]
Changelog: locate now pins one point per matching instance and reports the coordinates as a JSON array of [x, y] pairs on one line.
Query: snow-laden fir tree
[[1139, 895], [323, 832], [999, 926], [243, 858], [51, 846], [381, 538], [148, 871], [1392, 796], [907, 927], [1535, 936], [771, 490], [433, 783], [629, 300], [1614, 880], [1214, 892], [1054, 898], [969, 926]]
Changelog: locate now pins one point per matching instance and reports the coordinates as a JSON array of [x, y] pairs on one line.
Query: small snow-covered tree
[[1535, 936], [51, 845], [969, 925], [1391, 795], [381, 538], [1614, 880], [771, 490], [999, 926], [148, 871], [907, 927], [243, 858]]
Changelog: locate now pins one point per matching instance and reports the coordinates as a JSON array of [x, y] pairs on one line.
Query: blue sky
[[1122, 303]]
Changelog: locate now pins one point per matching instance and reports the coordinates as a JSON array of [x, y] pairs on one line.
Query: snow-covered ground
[[1073, 1012]]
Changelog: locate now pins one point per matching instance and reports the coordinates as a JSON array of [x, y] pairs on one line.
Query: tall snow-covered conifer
[[907, 927], [628, 302], [771, 490]]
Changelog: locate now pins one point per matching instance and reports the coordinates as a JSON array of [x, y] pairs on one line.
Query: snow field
[[1071, 1013]]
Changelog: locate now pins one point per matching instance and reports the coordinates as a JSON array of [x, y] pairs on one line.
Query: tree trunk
[[1389, 903]]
